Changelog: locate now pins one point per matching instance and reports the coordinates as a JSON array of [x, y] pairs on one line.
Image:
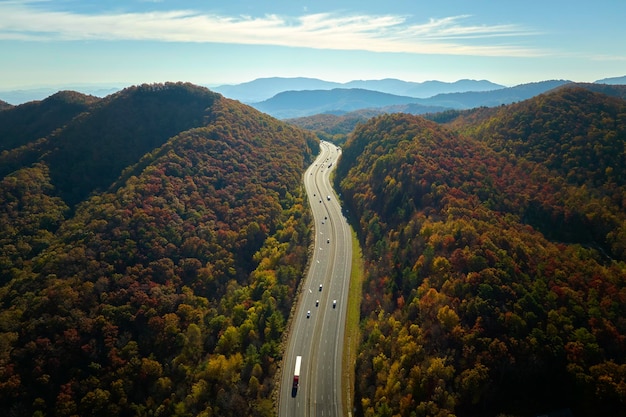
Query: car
[[327, 240], [320, 287], [308, 314], [334, 303], [317, 303]]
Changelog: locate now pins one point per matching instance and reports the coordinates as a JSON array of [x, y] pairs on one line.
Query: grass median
[[352, 335]]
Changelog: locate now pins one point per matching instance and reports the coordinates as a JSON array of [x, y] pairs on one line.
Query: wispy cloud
[[386, 33], [605, 57]]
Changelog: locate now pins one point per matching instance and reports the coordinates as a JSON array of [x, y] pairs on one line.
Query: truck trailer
[[296, 376]]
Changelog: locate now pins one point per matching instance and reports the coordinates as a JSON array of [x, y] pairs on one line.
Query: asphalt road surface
[[318, 339]]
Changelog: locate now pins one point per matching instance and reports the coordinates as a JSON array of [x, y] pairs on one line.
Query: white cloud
[[387, 33]]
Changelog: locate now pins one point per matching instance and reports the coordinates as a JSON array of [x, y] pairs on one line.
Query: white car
[[334, 303], [308, 314]]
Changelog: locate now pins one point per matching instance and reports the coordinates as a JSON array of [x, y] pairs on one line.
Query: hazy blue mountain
[[265, 88], [612, 80], [424, 89], [290, 104], [493, 98]]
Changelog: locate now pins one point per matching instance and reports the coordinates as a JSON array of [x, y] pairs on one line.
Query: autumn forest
[[152, 244]]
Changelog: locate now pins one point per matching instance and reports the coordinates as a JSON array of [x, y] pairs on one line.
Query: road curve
[[318, 339]]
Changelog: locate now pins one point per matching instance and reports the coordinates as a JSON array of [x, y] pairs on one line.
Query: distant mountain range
[[612, 80], [286, 98], [24, 95], [292, 104], [264, 88]]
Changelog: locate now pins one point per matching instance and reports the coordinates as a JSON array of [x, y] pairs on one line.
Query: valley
[[165, 250], [317, 332]]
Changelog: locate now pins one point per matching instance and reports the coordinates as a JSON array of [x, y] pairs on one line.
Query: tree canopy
[[168, 293], [495, 271]]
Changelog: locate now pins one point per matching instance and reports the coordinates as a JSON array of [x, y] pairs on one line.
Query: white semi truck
[[296, 374]]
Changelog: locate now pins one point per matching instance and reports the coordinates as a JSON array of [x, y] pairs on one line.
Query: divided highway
[[318, 327]]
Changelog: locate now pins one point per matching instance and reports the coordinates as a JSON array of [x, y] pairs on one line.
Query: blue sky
[[210, 42]]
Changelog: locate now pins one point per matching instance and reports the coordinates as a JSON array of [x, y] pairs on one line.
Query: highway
[[318, 339]]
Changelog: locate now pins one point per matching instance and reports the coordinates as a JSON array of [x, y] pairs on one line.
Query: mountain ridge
[[290, 104], [294, 104], [612, 80], [264, 88], [138, 119]]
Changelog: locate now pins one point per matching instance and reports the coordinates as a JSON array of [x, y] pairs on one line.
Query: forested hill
[[90, 143], [168, 293], [20, 125], [496, 283], [331, 127], [580, 137], [575, 132]]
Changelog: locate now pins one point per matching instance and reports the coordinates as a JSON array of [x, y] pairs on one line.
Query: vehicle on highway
[[296, 376], [320, 287], [317, 303], [328, 198], [327, 240], [334, 303], [308, 314]]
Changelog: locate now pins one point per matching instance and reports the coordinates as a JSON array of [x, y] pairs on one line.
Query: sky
[[46, 43]]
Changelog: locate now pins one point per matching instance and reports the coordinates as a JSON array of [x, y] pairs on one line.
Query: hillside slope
[[169, 293], [482, 296], [580, 136]]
